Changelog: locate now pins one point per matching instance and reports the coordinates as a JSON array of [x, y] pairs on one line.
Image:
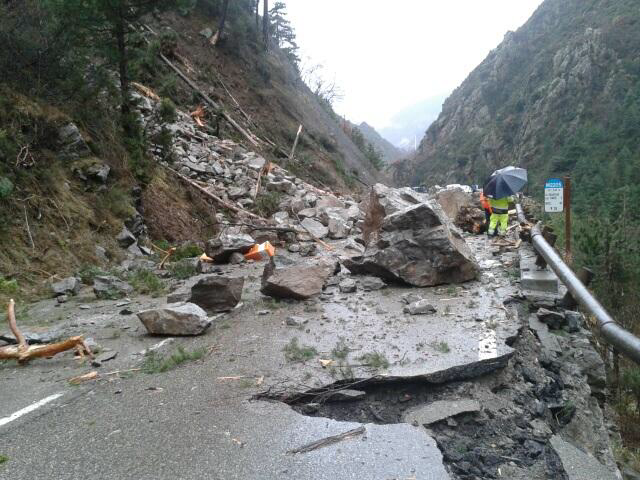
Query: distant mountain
[[389, 152], [411, 123], [561, 95]]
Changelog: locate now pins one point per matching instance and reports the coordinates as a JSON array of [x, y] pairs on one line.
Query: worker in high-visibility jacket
[[484, 201], [499, 216]]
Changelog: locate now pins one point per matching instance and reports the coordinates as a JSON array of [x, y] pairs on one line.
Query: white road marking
[[29, 409]]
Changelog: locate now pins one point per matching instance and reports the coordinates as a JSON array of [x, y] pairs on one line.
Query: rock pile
[[411, 240]]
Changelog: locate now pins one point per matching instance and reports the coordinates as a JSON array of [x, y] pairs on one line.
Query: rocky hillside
[[560, 95], [76, 169], [389, 152]]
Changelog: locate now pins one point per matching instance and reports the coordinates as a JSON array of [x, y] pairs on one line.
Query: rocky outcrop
[[412, 241], [175, 319], [108, 287]]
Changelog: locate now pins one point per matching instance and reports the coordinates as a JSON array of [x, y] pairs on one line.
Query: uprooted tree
[[23, 352]]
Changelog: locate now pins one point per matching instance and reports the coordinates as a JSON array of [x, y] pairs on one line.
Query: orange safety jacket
[[485, 202]]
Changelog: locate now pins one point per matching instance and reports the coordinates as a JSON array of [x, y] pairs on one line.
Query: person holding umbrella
[[500, 187]]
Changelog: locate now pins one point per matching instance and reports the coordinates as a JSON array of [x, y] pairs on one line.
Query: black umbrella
[[505, 182]]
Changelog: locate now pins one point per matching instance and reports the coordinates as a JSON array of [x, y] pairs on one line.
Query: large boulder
[[283, 278], [462, 207], [175, 319], [221, 248], [216, 293], [410, 239]]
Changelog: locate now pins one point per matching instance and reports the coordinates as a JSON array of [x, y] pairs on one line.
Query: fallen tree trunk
[[22, 352]]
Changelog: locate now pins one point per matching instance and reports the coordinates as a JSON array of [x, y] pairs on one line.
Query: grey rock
[[295, 321], [72, 141], [329, 201], [440, 410], [294, 247], [234, 193], [338, 227], [125, 238], [348, 285], [410, 298], [135, 224], [175, 319], [630, 474], [415, 245], [548, 341], [574, 321], [281, 218], [307, 213], [254, 161], [372, 283], [101, 253], [67, 286], [236, 258], [577, 464], [555, 320], [421, 307], [287, 279], [216, 293], [315, 228], [62, 299], [308, 249], [109, 287], [221, 248]]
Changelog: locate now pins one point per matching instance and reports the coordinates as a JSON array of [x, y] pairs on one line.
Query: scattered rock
[[236, 258], [295, 321], [109, 287], [348, 285], [440, 410], [175, 319], [555, 320], [67, 286], [372, 283], [421, 307], [287, 279], [410, 298], [62, 299], [72, 141], [574, 321], [579, 465], [308, 249], [315, 228], [125, 238]]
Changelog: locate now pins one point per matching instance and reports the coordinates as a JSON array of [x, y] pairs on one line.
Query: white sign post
[[554, 196]]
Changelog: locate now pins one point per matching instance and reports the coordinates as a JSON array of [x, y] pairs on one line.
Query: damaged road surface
[[354, 379]]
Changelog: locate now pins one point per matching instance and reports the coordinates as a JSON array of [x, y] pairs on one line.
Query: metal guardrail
[[622, 340]]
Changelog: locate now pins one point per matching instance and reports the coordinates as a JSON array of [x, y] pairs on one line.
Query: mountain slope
[[561, 95], [389, 152]]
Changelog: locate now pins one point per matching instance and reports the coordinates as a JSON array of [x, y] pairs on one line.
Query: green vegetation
[[182, 270], [146, 282], [375, 360], [341, 350], [157, 363], [89, 272], [442, 347], [267, 203], [294, 352], [3, 459]]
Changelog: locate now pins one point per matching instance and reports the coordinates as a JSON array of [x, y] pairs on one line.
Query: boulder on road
[[175, 319], [216, 293], [284, 278], [415, 244]]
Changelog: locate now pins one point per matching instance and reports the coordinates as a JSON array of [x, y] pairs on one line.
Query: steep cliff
[[560, 95]]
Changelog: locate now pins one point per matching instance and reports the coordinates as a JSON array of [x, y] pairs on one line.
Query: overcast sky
[[388, 55]]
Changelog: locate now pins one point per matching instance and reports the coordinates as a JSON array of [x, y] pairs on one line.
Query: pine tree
[[108, 24], [283, 32]]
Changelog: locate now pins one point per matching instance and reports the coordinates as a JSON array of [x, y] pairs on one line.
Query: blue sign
[[554, 195]]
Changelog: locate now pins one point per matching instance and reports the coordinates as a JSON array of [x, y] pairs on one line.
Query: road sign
[[554, 195]]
